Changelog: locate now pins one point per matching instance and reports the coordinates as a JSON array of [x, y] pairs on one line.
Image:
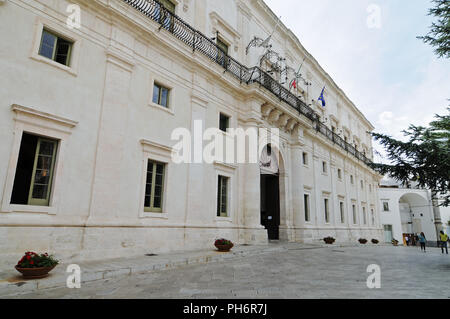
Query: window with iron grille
[[55, 48]]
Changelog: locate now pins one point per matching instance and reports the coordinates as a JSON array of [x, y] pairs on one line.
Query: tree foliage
[[424, 158], [439, 35]]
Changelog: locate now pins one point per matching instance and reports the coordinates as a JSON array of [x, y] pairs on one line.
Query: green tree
[[439, 35], [424, 158]]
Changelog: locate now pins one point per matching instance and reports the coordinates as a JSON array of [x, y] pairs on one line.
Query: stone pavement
[[11, 282], [273, 271]]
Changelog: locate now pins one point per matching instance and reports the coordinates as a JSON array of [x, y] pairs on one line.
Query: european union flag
[[322, 98]]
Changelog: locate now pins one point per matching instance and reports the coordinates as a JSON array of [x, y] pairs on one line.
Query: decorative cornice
[[31, 112], [150, 146]]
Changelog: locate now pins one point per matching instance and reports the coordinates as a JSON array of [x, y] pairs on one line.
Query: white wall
[[100, 109]]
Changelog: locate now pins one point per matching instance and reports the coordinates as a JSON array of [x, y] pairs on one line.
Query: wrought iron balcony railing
[[154, 10]]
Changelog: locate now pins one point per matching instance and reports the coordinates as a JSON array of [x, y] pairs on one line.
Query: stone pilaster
[[107, 193]]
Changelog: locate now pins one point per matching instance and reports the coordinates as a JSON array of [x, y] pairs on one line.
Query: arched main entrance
[[414, 216], [270, 192]]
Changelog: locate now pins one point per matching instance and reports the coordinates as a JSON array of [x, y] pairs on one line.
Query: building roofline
[[313, 60]]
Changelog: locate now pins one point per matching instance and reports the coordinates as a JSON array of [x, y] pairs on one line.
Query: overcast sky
[[392, 77]]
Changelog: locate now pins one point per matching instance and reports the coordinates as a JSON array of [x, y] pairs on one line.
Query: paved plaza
[[298, 272]]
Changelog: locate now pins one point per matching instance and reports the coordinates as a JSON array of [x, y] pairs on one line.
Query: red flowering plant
[[223, 242], [33, 260]]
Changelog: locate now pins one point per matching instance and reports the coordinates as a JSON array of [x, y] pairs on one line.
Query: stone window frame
[[364, 213], [152, 208], [324, 169], [222, 111], [355, 219], [372, 215], [152, 151], [308, 190], [307, 194], [33, 121], [63, 32], [384, 201], [342, 212], [326, 196], [158, 80], [339, 174], [228, 171], [305, 163]]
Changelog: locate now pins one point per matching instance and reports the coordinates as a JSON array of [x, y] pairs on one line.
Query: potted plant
[[34, 266], [329, 240], [362, 241], [223, 244], [375, 241], [395, 242]]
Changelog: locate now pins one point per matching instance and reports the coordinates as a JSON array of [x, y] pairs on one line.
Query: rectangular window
[[161, 95], [154, 187], [306, 207], [222, 45], [341, 208], [168, 5], [354, 214], [351, 179], [339, 173], [35, 170], [364, 216], [222, 197], [224, 122], [55, 48], [373, 217], [324, 167], [362, 184], [165, 19], [327, 212], [222, 53], [305, 158], [385, 206]]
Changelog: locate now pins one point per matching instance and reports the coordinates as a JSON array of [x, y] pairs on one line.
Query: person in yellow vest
[[444, 238]]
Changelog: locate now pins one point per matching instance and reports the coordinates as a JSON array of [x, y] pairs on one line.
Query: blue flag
[[322, 98]]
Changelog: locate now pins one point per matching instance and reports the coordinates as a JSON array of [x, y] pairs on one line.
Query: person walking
[[444, 238], [423, 242]]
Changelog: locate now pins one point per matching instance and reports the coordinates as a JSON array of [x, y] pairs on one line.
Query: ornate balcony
[[199, 42]]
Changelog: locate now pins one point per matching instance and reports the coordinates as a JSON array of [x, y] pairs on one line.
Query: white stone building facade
[[87, 114], [407, 212]]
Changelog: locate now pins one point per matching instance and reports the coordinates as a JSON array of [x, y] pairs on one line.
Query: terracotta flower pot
[[34, 273], [224, 248]]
